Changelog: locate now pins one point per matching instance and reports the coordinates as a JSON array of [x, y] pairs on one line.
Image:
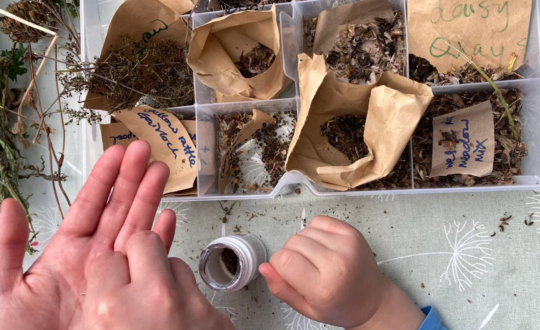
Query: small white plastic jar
[[250, 253]]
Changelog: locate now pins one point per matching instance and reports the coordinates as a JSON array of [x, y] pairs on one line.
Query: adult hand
[[143, 290], [328, 273], [51, 293]]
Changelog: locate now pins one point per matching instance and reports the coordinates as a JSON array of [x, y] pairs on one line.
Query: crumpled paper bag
[[143, 20], [170, 141], [217, 45], [393, 106]]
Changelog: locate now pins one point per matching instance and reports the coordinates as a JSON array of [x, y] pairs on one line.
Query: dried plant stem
[[61, 161], [497, 90], [41, 115]]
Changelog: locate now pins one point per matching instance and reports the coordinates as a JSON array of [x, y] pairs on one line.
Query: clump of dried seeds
[[508, 151], [346, 134], [273, 141], [256, 62], [363, 52]]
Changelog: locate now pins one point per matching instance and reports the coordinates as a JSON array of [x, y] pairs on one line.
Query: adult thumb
[[282, 290], [13, 240]]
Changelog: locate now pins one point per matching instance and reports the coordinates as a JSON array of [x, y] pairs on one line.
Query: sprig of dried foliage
[[156, 73], [14, 125]]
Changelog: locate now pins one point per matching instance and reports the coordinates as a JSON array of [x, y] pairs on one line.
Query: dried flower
[[363, 52], [256, 62], [33, 11]]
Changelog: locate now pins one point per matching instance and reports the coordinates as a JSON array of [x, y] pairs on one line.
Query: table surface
[[439, 248]]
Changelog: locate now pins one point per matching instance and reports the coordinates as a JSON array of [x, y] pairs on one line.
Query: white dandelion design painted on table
[[534, 202], [384, 198], [296, 321], [229, 311], [179, 208], [470, 254], [46, 220]]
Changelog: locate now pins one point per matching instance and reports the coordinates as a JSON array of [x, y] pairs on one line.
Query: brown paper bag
[[170, 142], [144, 20], [332, 20], [393, 106], [469, 144], [116, 134], [218, 44], [246, 133]]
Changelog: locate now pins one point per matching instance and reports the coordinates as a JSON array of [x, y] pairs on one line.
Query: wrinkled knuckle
[[160, 292], [293, 241], [328, 293], [285, 257], [143, 237]]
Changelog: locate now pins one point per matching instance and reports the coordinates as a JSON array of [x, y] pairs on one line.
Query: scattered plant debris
[[230, 259], [224, 220], [156, 73], [237, 229], [256, 62], [530, 222], [493, 235], [422, 71], [310, 27], [422, 285], [346, 134], [508, 151], [273, 141], [232, 6], [227, 210], [297, 191], [363, 52]]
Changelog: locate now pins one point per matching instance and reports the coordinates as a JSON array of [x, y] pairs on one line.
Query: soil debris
[[361, 53], [508, 151], [346, 134], [422, 71], [530, 222], [255, 62], [230, 259]]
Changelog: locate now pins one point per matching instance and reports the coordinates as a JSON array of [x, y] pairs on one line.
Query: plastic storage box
[[96, 14]]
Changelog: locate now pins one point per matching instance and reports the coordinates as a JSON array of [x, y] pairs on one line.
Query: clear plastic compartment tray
[[96, 15]]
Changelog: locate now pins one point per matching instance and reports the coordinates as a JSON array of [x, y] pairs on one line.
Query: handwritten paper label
[[464, 142], [170, 141], [259, 120], [488, 31], [116, 134]]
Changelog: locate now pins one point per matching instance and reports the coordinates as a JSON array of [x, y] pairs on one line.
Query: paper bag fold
[[393, 106], [217, 45]]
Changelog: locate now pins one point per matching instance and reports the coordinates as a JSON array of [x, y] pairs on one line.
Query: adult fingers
[[165, 227], [129, 178], [290, 264], [312, 250], [144, 207], [183, 275], [282, 290], [147, 258], [83, 215], [106, 273], [331, 225], [13, 240]]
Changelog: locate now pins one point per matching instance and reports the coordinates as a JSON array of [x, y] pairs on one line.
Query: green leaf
[[15, 62], [72, 10]]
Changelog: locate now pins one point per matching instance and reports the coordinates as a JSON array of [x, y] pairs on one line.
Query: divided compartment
[[205, 94], [207, 141], [94, 22]]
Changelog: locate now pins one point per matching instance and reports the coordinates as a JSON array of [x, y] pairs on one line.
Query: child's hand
[[328, 273]]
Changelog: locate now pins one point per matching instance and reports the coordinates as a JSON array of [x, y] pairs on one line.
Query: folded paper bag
[[393, 107], [170, 142], [218, 44]]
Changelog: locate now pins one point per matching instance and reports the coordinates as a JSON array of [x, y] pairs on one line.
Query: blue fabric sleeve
[[433, 320]]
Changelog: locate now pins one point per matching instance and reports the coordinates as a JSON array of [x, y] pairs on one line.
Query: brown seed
[[422, 286], [501, 228], [297, 191], [224, 220], [493, 235]]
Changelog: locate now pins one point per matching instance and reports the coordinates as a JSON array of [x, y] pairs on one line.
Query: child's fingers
[[330, 241], [296, 270], [312, 250], [331, 225], [281, 290]]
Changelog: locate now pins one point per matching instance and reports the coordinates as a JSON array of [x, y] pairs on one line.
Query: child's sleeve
[[433, 320]]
